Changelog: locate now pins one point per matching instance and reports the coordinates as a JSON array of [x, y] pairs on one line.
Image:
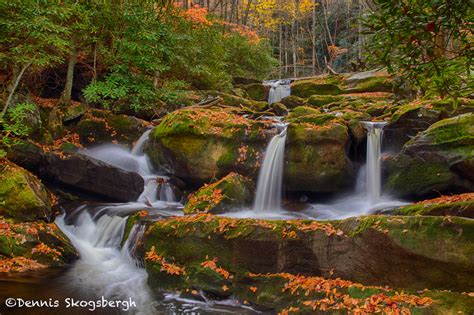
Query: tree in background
[[427, 42]]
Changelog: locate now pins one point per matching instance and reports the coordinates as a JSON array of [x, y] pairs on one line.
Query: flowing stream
[[279, 89]]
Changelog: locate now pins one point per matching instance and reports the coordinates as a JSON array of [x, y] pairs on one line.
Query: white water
[[374, 174], [367, 197], [279, 89], [270, 177], [106, 268]]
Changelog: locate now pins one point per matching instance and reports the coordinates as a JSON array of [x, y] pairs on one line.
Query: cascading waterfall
[[96, 231], [270, 177], [279, 89], [374, 176]]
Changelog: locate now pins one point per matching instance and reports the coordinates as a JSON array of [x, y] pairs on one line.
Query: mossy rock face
[[229, 193], [316, 155], [257, 259], [256, 91], [26, 246], [26, 154], [302, 111], [437, 159], [52, 124], [280, 109], [198, 145], [407, 121], [307, 88], [456, 205], [100, 126], [293, 101], [73, 111], [236, 101], [22, 195], [369, 81], [321, 100]]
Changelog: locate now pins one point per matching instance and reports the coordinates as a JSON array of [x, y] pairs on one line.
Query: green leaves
[[426, 42]]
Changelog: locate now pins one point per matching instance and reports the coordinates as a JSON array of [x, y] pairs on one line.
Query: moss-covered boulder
[[236, 101], [22, 195], [100, 126], [199, 144], [280, 109], [316, 86], [461, 205], [73, 111], [256, 91], [26, 246], [316, 155], [369, 81], [293, 101], [302, 111], [229, 193], [245, 254], [440, 158]]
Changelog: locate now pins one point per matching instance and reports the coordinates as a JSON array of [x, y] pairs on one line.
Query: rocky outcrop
[[22, 195], [461, 205], [200, 144], [229, 193], [100, 126], [440, 158], [316, 154], [398, 251], [28, 246], [93, 176]]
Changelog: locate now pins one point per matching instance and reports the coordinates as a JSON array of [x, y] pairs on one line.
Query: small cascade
[[279, 89], [373, 167], [157, 187], [270, 177]]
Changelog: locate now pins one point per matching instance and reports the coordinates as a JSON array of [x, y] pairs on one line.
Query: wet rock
[[229, 193], [28, 246], [22, 195], [93, 176], [439, 159], [369, 81], [280, 109], [73, 111], [100, 126]]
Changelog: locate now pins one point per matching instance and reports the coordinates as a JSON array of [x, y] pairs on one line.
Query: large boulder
[[369, 81], [26, 154], [256, 91], [27, 246], [100, 126], [327, 85], [229, 193], [22, 195], [316, 155], [440, 158], [199, 144], [401, 252], [93, 176]]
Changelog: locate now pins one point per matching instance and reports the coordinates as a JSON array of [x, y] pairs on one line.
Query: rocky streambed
[[156, 222]]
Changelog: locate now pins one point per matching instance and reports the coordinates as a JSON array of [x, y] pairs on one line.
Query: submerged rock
[[440, 158], [257, 259], [22, 195], [27, 246], [230, 192], [100, 126], [93, 176]]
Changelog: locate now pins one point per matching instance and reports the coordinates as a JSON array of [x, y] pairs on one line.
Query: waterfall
[[105, 266], [373, 168], [270, 177], [279, 89]]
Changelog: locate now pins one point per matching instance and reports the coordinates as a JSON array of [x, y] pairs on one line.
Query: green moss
[[364, 223], [22, 194], [321, 100], [315, 119], [306, 89], [302, 111], [463, 208], [373, 84], [293, 101], [256, 91]]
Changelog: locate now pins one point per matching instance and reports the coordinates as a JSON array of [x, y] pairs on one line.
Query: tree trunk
[[66, 95], [14, 86]]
